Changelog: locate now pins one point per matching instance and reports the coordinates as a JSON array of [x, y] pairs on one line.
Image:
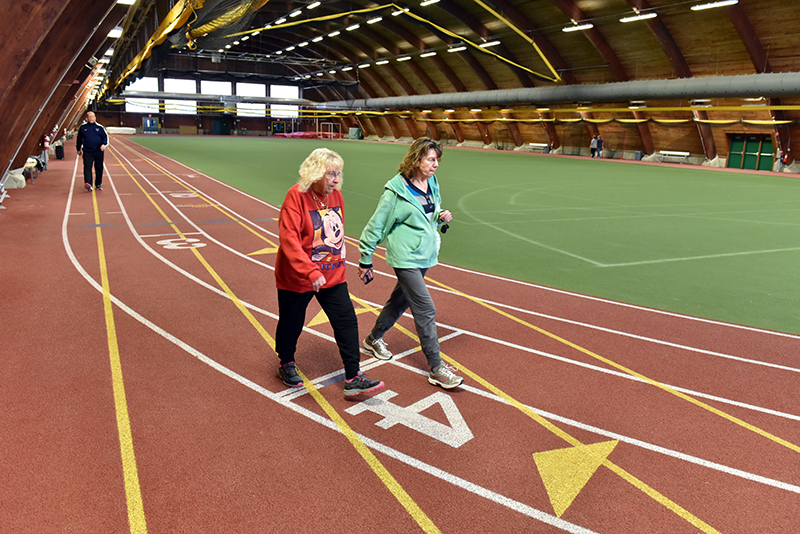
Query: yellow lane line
[[133, 493], [211, 203], [631, 372], [386, 477], [378, 468], [648, 490]]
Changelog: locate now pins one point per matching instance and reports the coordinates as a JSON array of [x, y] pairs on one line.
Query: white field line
[[472, 214]]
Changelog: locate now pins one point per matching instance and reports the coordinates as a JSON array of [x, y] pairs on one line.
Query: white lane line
[[633, 441], [632, 336], [623, 304], [454, 480]]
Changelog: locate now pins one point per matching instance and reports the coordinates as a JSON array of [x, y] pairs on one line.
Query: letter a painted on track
[[566, 471], [455, 435]]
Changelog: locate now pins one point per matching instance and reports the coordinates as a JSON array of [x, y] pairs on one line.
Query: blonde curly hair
[[313, 169]]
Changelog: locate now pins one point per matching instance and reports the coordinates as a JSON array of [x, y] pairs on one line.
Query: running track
[[139, 388]]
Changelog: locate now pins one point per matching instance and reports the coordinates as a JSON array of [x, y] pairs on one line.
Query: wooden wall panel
[[43, 69]]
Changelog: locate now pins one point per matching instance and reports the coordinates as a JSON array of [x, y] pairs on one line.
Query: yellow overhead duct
[[177, 17]]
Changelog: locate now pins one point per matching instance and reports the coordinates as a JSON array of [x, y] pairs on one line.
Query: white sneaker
[[377, 347], [444, 376]]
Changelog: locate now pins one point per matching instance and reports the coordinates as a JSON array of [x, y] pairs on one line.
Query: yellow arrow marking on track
[[268, 250], [652, 492], [566, 471]]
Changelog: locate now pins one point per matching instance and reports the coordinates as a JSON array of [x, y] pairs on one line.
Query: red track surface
[[699, 418]]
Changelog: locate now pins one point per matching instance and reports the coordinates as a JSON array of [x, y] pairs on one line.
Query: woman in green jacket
[[407, 218]]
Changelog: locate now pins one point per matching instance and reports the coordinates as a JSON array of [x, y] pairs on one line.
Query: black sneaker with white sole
[[361, 384], [288, 373]]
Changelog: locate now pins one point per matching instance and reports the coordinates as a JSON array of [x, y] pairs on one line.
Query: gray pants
[[411, 292]]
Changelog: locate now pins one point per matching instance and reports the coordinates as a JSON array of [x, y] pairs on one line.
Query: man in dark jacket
[[91, 143]]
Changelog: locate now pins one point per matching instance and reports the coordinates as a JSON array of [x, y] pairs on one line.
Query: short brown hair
[[418, 149]]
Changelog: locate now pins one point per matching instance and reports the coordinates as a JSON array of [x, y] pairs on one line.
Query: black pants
[[93, 158], [336, 304]]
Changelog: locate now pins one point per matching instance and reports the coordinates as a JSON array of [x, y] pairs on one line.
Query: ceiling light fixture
[[578, 27], [373, 21], [363, 66], [255, 33], [400, 12], [382, 62], [334, 33], [116, 33], [711, 5], [345, 69], [404, 58], [457, 49], [427, 2], [427, 54], [489, 43], [353, 27], [476, 110], [280, 20], [303, 44], [294, 14], [317, 39], [640, 16], [313, 5], [290, 48]]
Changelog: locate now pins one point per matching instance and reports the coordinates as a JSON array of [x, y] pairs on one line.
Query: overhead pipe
[[769, 85]]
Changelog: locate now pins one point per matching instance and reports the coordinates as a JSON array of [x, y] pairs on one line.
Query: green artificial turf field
[[709, 243]]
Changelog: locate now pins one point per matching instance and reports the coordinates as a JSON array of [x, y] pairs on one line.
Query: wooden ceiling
[[52, 53], [753, 36]]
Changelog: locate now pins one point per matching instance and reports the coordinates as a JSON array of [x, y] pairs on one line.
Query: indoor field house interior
[[618, 287]]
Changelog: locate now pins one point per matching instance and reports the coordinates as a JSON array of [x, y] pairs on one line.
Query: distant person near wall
[[91, 144]]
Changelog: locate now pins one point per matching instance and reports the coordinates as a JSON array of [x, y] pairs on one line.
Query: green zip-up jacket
[[411, 238]]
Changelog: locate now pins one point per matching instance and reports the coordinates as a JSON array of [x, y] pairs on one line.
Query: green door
[[220, 127], [752, 148], [736, 152], [755, 152], [766, 157]]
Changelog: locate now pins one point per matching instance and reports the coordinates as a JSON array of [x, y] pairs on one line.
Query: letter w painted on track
[[455, 435]]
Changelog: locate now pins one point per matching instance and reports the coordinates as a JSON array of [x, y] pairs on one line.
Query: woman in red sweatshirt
[[311, 263]]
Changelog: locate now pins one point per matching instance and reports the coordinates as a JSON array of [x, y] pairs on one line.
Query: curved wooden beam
[[682, 69], [761, 64]]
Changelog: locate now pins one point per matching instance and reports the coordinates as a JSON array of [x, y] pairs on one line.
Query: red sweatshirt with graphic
[[311, 241]]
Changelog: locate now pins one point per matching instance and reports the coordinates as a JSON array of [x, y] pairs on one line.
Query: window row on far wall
[[211, 87]]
